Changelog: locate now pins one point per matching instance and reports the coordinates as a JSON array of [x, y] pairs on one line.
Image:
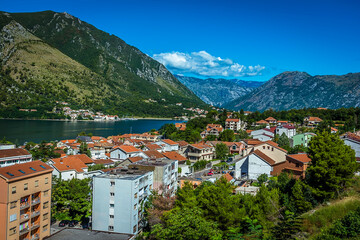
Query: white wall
[[253, 166]]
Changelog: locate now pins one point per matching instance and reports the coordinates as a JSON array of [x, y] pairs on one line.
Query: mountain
[[218, 92], [290, 90], [65, 59]]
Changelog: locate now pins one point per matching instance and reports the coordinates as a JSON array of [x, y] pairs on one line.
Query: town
[[112, 178]]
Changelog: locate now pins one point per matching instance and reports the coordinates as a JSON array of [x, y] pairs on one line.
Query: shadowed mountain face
[[97, 69], [290, 90], [218, 92]]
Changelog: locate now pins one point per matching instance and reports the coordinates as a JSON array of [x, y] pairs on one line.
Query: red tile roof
[[315, 119], [228, 177], [182, 143], [262, 122], [174, 156], [154, 154], [232, 120], [67, 164], [200, 145], [135, 159], [13, 152], [252, 141], [13, 172], [128, 149], [270, 119], [353, 136], [152, 146], [103, 161], [83, 157], [301, 157], [169, 141]]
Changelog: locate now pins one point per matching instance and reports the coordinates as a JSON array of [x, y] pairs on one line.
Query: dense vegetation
[[212, 211]]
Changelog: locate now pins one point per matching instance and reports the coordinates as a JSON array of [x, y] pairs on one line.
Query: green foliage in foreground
[[71, 199]]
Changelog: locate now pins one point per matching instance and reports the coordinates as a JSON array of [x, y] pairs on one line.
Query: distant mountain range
[[49, 56], [290, 90], [218, 92]]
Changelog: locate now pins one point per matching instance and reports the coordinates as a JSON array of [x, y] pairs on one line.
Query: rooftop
[[81, 234], [301, 157], [24, 170], [123, 173], [13, 152]]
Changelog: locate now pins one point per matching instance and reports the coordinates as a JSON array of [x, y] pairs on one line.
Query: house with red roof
[[271, 120], [212, 129], [122, 152], [296, 164], [183, 145], [312, 121], [264, 134], [13, 156], [200, 151], [152, 146], [353, 140], [180, 126], [262, 122], [175, 156], [289, 130], [69, 167], [168, 145]]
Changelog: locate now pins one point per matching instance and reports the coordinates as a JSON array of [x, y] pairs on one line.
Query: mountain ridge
[[295, 89]]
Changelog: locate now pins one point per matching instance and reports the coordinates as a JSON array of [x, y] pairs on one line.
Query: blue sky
[[250, 40]]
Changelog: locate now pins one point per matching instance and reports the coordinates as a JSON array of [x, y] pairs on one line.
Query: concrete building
[[25, 201], [301, 139], [235, 124], [123, 152], [168, 145], [13, 156], [165, 173], [200, 151], [353, 140], [70, 167], [117, 199]]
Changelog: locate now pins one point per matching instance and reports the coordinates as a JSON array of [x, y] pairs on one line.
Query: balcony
[[25, 230], [24, 217], [24, 205], [35, 225], [34, 214], [35, 201]]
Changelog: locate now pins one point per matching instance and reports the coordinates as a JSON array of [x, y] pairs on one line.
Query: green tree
[[84, 149], [332, 165], [221, 151], [227, 135], [283, 141], [262, 178]]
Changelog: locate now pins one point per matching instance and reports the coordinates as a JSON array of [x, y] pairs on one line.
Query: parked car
[[210, 173], [231, 167], [73, 222], [63, 223]]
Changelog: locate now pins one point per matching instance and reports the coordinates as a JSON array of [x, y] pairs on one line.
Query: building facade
[[25, 201], [117, 199], [13, 156]]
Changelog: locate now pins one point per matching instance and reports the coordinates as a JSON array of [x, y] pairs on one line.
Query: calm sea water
[[21, 131]]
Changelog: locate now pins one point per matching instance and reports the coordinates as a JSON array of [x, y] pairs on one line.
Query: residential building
[[165, 173], [25, 201], [271, 120], [123, 152], [105, 162], [212, 129], [13, 156], [168, 145], [253, 165], [200, 151], [289, 130], [262, 122], [183, 146], [4, 146], [118, 197], [264, 134], [69, 167], [235, 124], [296, 164], [180, 126], [175, 156], [272, 150], [301, 139], [353, 140], [312, 121]]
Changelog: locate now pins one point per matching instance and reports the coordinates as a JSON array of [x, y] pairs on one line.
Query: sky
[[251, 40]]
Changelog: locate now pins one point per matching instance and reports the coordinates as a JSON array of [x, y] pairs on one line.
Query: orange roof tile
[[182, 143], [262, 122], [169, 141], [264, 157], [152, 146], [154, 154], [13, 152], [173, 155], [135, 159], [128, 149], [200, 145], [301, 157], [270, 119], [24, 170], [103, 161], [228, 177], [315, 119], [232, 120], [67, 164]]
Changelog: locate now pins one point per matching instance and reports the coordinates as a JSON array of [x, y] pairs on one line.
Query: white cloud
[[204, 64]]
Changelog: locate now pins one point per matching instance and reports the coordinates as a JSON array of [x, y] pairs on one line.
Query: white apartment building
[[235, 124], [117, 199], [13, 156]]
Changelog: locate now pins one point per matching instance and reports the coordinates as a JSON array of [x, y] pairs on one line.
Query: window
[[112, 194], [46, 205], [112, 183], [42, 166], [111, 216], [12, 231], [135, 195], [25, 186], [111, 228], [272, 149], [13, 190], [135, 206], [12, 217], [263, 147], [32, 169], [46, 180], [112, 205], [22, 171], [46, 193], [45, 216], [45, 228], [10, 174], [297, 165], [36, 183], [13, 204], [134, 229]]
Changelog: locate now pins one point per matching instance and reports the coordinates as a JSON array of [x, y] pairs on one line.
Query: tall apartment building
[[25, 201], [165, 173], [13, 156], [117, 199], [235, 124]]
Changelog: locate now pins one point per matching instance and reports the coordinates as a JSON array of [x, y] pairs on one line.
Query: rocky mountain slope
[[290, 90], [218, 92], [83, 65]]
